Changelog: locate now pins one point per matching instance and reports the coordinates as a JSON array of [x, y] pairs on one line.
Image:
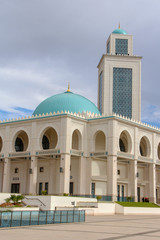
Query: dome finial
[[119, 26], [68, 87]]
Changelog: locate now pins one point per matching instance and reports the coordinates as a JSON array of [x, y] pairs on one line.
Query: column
[[152, 182], [82, 176], [33, 175], [133, 179], [112, 177], [88, 175], [64, 172], [6, 187], [52, 177]]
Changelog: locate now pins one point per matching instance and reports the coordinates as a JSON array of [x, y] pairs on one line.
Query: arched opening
[[1, 144], [100, 142], [21, 142], [158, 151], [125, 142], [144, 147], [49, 139], [76, 140]]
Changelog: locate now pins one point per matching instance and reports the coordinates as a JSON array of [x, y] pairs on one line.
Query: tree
[[16, 199]]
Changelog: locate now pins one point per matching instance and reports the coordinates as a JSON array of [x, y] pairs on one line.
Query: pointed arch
[[144, 147], [21, 141], [125, 142], [76, 140], [49, 138], [100, 141]]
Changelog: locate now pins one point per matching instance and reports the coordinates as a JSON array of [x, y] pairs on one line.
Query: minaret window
[[122, 91], [121, 46], [100, 91], [108, 47]]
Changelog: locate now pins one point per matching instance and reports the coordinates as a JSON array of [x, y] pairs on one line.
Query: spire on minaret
[[119, 26], [68, 87]]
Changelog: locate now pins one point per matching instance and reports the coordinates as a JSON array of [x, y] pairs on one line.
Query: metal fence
[[26, 218]]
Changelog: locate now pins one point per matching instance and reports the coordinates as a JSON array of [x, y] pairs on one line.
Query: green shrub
[[129, 199], [44, 192], [7, 200], [99, 198], [16, 199], [65, 194]]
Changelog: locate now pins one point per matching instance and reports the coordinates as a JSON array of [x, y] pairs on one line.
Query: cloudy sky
[[44, 44]]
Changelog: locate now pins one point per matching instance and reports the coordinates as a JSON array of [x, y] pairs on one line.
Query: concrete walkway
[[95, 228]]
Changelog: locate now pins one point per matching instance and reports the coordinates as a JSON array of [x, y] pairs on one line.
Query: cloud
[[46, 44]]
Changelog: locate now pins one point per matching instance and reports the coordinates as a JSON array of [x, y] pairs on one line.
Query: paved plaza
[[95, 228]]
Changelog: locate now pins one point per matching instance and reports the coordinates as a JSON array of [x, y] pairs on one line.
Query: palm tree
[[16, 199]]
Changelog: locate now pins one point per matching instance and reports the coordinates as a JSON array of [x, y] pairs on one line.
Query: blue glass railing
[[125, 199], [103, 197], [26, 218]]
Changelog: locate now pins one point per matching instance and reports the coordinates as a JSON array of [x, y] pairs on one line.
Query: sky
[[44, 44]]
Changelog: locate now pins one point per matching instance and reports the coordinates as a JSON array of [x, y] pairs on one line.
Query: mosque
[[71, 146]]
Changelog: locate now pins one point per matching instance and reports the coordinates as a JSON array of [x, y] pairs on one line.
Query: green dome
[[119, 31], [66, 101]]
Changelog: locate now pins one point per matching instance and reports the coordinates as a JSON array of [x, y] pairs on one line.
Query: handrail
[[35, 199]]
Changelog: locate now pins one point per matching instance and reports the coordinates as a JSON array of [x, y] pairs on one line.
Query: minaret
[[119, 77]]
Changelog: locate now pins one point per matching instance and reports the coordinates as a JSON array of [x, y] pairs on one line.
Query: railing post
[[21, 219], [60, 216], [30, 218], [54, 216], [38, 217], [67, 216], [73, 215], [11, 220], [46, 216], [1, 219], [78, 216]]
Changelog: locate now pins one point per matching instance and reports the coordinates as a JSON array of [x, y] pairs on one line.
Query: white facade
[[88, 154]]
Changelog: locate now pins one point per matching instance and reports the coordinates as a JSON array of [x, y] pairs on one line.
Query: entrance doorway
[[120, 192], [93, 188], [71, 188], [46, 187], [40, 188], [138, 194], [15, 187], [157, 200]]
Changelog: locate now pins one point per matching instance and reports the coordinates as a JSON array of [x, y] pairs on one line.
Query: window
[[15, 188], [41, 169], [40, 188], [121, 46], [46, 187], [45, 142], [118, 172], [16, 170], [100, 91], [108, 47], [93, 189], [19, 146], [121, 145], [122, 91]]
